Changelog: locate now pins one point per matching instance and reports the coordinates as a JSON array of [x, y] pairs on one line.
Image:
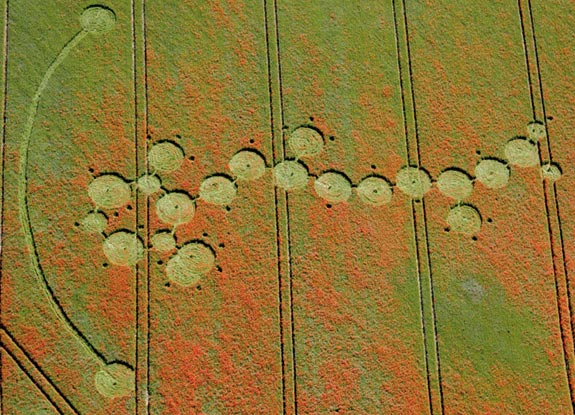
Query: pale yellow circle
[[521, 152], [218, 190], [149, 184], [193, 261], [123, 248], [98, 19], [333, 187], [305, 141], [175, 208], [413, 181], [163, 241], [464, 219], [455, 184], [109, 191], [374, 191], [247, 165], [115, 380], [165, 156], [95, 222], [551, 171], [494, 174], [536, 131], [290, 175]]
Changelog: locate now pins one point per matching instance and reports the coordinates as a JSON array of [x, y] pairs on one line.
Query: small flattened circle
[[149, 184], [94, 222], [290, 175], [218, 190], [464, 219], [536, 131], [333, 186], [374, 191], [175, 208], [305, 141], [165, 156], [493, 173], [455, 184], [551, 171], [115, 380], [98, 19], [193, 261], [109, 191], [522, 152], [123, 248], [247, 165], [413, 181], [163, 241]]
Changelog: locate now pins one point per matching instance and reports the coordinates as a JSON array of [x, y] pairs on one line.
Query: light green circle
[[551, 171], [123, 248], [305, 141], [109, 191], [464, 219], [94, 222], [521, 152], [149, 184], [290, 175], [455, 184], [193, 261], [494, 174], [374, 191], [413, 181], [175, 208], [333, 187], [536, 131], [165, 156], [218, 190], [163, 241], [115, 380], [98, 19], [247, 165]]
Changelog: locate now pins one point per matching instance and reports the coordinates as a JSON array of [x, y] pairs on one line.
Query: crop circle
[[494, 174], [374, 191], [413, 181], [109, 191], [305, 141], [123, 248], [247, 165], [522, 152], [163, 241], [455, 184], [551, 171], [165, 156], [464, 219], [193, 261], [115, 380], [94, 222], [149, 184], [218, 190], [290, 175], [333, 186], [98, 19], [536, 131], [175, 208]]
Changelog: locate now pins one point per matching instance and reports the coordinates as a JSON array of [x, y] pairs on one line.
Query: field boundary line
[[35, 373], [283, 231], [554, 225], [419, 218]]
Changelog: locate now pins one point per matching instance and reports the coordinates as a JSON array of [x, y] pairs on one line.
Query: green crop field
[[287, 207]]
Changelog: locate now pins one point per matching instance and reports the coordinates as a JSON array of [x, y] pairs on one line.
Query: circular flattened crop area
[[98, 19], [193, 261], [218, 190], [290, 175], [464, 219], [109, 191], [494, 174], [333, 186], [247, 165], [455, 184], [374, 191], [521, 152], [306, 141], [115, 380], [175, 208], [165, 156], [123, 248], [413, 181]]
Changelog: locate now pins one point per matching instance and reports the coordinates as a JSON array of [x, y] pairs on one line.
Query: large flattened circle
[[455, 184], [464, 219], [334, 187], [305, 141], [109, 191], [218, 190], [291, 175], [374, 191], [123, 248], [492, 173], [247, 165], [413, 181], [175, 208]]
